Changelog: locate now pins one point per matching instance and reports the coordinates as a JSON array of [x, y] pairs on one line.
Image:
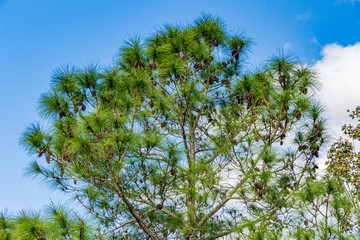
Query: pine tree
[[326, 211], [179, 140], [55, 223]]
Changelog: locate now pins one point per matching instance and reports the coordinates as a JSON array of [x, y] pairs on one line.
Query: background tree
[[176, 140], [325, 211], [56, 223], [344, 161]]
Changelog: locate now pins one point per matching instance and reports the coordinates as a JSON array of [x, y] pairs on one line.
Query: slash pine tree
[[177, 141]]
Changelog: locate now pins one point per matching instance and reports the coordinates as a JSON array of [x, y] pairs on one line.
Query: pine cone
[[302, 147], [319, 134], [198, 65], [281, 79], [58, 180], [282, 136], [62, 113], [41, 152], [172, 171], [258, 185], [315, 153], [303, 90], [69, 130], [152, 65], [235, 53], [249, 96]]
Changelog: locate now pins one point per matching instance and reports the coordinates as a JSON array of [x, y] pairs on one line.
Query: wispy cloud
[[287, 47], [303, 17], [315, 40], [346, 1]]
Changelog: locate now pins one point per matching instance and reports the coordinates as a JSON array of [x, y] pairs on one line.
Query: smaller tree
[[324, 210], [57, 223], [344, 165], [344, 160]]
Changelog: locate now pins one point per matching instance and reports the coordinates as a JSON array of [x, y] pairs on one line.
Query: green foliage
[[56, 223], [344, 162], [343, 158], [326, 211], [168, 141]]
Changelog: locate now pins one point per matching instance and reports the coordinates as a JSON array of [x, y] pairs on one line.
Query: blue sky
[[38, 36]]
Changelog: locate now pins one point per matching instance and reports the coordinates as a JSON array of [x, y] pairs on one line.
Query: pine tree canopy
[[179, 139]]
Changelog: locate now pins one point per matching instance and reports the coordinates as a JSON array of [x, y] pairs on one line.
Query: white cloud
[[339, 73]]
